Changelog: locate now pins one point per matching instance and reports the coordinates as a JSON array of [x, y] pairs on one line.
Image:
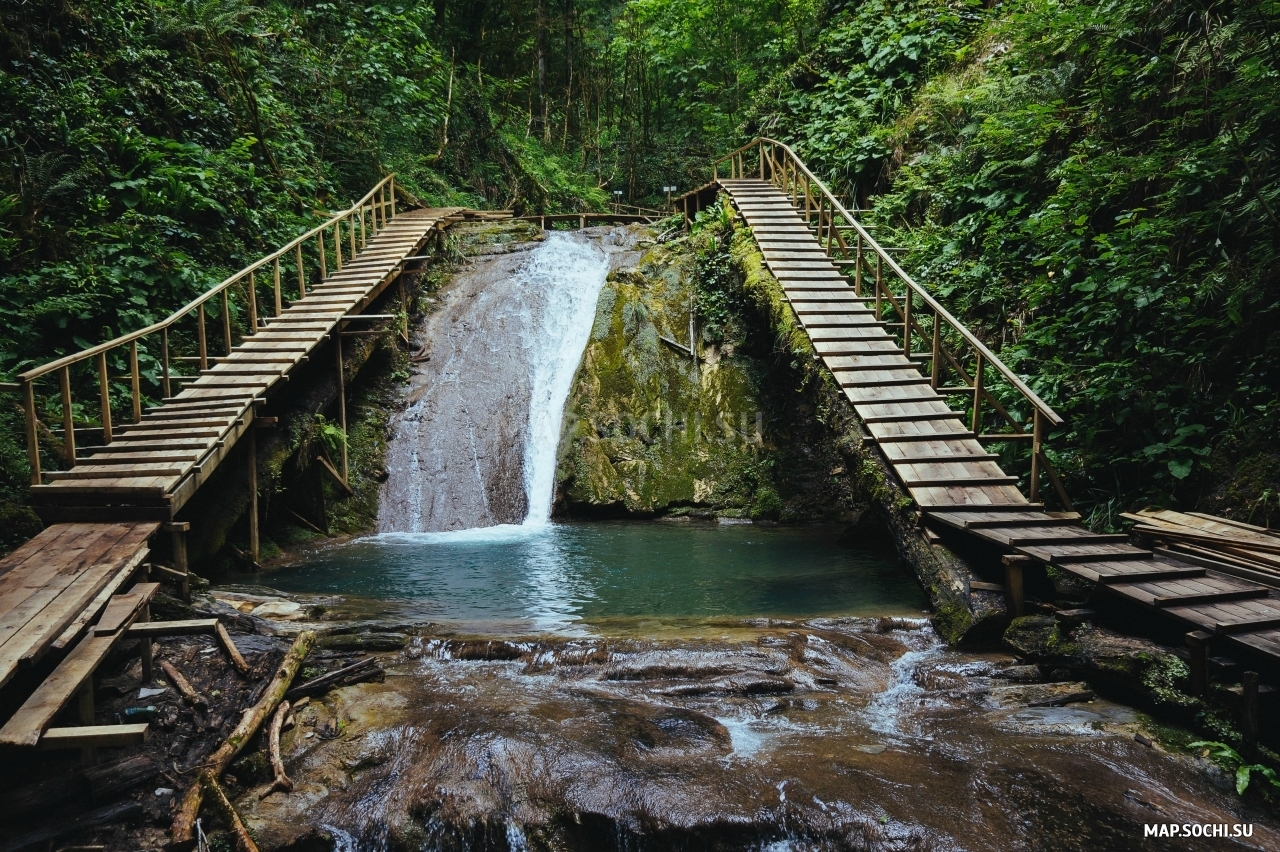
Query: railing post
[[935, 369], [203, 339], [164, 362], [906, 321], [68, 422], [857, 269], [351, 236], [392, 184], [1037, 439], [135, 381], [364, 240], [275, 277], [879, 286], [104, 396], [33, 435], [337, 245], [226, 320], [977, 396], [760, 152], [253, 303], [324, 271], [302, 275]]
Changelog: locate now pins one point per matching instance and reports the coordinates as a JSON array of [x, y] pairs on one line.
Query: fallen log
[[243, 841], [358, 671], [232, 651], [183, 686], [281, 781], [182, 834]]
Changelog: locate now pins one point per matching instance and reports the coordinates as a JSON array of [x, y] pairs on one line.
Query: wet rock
[[485, 650], [450, 755], [1020, 674], [1139, 669], [364, 641]]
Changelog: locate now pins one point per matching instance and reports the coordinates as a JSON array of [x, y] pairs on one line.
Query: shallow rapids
[[476, 444]]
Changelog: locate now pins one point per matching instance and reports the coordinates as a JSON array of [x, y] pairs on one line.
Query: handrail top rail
[[84, 354], [933, 303]]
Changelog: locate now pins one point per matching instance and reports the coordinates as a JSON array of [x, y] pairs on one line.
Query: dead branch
[[182, 834], [183, 686], [281, 781], [232, 651]]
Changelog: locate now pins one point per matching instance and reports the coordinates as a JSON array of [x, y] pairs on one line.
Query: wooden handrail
[[736, 158], [217, 289], [378, 204], [793, 177]]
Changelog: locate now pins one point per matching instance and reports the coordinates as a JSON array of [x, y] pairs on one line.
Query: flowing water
[[656, 685], [476, 444]]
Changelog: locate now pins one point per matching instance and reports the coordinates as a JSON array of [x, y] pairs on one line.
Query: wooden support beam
[[1013, 583], [1197, 642], [95, 736]]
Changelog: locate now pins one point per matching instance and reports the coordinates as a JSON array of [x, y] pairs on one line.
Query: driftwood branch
[[243, 841], [232, 651], [366, 669], [183, 686], [281, 781], [182, 834]]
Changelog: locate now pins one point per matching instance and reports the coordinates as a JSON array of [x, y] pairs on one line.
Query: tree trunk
[[542, 71]]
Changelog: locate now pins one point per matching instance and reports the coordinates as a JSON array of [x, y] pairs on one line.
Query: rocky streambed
[[818, 734]]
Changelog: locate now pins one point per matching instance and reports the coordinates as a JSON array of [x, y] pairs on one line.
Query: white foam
[[568, 273]]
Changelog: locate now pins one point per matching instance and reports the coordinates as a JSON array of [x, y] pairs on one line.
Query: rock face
[[1143, 671], [807, 735], [759, 430]]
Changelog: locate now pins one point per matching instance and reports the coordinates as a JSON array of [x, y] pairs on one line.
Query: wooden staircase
[[82, 585], [841, 284]]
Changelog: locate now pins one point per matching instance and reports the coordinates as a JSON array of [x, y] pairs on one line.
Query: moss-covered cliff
[[759, 430], [648, 432]]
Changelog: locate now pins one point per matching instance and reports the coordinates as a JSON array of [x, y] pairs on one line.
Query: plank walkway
[[955, 482], [72, 588], [152, 468]]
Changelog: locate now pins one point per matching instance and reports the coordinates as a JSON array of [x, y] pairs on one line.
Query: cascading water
[[569, 274], [476, 446]]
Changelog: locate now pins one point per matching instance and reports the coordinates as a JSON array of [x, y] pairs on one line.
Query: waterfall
[[476, 444], [569, 273]]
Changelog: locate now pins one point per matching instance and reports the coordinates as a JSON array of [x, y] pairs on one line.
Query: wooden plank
[[892, 393], [46, 542], [95, 736], [26, 592], [33, 717], [42, 630], [183, 627], [77, 626]]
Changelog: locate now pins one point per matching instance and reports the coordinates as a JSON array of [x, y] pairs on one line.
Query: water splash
[[569, 273]]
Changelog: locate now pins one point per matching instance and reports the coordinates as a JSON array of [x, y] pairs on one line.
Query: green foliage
[[1229, 759], [1092, 186]]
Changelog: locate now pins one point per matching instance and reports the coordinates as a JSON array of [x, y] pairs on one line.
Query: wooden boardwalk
[[957, 485], [80, 586], [153, 467]]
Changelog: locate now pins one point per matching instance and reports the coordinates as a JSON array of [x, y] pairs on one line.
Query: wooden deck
[[956, 483], [73, 590], [153, 467]]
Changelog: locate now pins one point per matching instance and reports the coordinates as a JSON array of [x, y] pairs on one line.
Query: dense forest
[[1093, 184]]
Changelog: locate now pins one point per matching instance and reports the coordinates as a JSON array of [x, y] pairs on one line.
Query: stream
[[645, 685]]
